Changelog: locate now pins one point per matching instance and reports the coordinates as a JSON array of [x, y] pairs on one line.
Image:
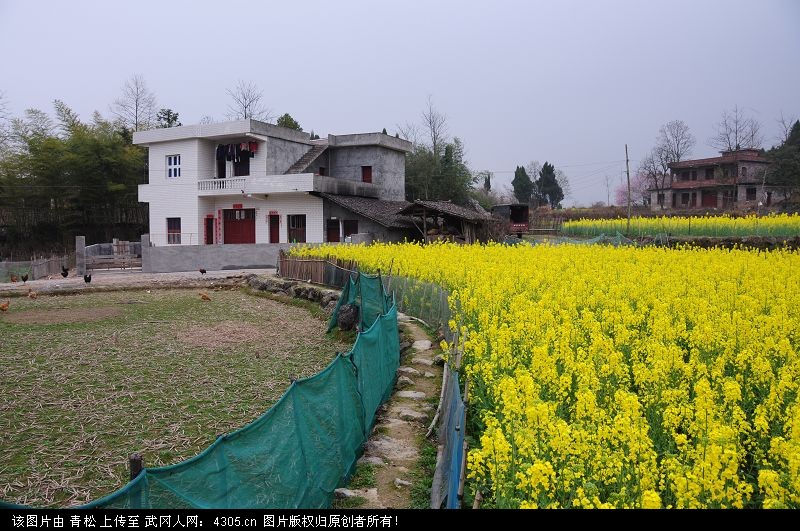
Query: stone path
[[401, 423]]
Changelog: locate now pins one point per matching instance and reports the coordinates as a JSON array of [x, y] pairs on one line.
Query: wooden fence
[[36, 268], [329, 271]]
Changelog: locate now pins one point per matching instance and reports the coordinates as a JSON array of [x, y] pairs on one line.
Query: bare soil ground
[[90, 378]]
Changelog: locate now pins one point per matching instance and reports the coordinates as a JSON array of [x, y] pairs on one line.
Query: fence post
[[147, 265], [136, 464], [80, 255]]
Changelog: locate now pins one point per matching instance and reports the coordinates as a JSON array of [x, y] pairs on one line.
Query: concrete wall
[[365, 225], [388, 168], [323, 160], [281, 154], [210, 257]]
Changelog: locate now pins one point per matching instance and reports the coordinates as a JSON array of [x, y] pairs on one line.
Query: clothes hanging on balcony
[[235, 152]]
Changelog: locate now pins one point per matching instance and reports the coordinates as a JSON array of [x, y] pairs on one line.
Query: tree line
[[61, 176]]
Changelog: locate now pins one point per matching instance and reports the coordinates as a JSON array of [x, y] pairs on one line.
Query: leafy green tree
[[384, 131], [548, 187], [523, 186], [69, 177], [167, 118], [287, 121], [785, 168]]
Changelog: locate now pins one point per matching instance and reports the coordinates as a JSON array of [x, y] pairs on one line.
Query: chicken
[[4, 306], [87, 278], [32, 294], [14, 278], [24, 278], [202, 271], [64, 272], [204, 296]]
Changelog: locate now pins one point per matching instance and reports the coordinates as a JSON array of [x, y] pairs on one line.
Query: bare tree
[[136, 108], [409, 131], [206, 119], [737, 131], [436, 125], [675, 139], [786, 123], [563, 182], [653, 171], [246, 102]]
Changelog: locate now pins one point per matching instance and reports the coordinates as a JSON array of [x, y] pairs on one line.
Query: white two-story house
[[251, 182]]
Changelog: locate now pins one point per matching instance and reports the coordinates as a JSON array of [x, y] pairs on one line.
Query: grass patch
[[160, 373], [348, 503], [364, 477], [423, 475], [343, 336]]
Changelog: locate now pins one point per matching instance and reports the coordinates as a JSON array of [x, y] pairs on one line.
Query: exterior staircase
[[301, 165]]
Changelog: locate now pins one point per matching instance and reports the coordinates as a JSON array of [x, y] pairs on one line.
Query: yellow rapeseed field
[[622, 377], [774, 225]]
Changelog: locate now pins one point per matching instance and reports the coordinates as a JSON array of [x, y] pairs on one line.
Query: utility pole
[[628, 171], [608, 190]]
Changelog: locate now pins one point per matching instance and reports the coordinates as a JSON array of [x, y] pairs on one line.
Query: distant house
[[736, 179], [247, 181]]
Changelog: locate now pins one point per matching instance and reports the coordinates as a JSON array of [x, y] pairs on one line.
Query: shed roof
[[386, 213], [447, 208]]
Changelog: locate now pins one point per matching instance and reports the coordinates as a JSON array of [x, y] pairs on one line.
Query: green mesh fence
[[302, 448], [367, 293]]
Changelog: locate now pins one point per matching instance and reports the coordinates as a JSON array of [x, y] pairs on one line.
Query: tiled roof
[[383, 212], [446, 207]]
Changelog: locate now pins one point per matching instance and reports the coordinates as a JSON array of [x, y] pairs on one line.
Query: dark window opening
[[297, 228], [694, 175], [332, 230], [744, 171], [221, 168], [322, 171], [685, 176], [660, 199], [350, 227], [751, 194], [242, 168], [366, 174], [726, 173], [685, 198], [173, 230], [709, 173]]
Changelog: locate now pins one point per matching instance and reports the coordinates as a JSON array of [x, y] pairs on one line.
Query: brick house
[[735, 179]]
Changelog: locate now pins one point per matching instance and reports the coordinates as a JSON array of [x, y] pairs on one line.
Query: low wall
[[169, 259]]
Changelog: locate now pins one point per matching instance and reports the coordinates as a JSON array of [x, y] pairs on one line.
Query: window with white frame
[[173, 165]]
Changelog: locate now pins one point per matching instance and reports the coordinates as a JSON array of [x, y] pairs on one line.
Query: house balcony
[[275, 184]]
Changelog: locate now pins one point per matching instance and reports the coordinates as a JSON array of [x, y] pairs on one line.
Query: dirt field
[[90, 378]]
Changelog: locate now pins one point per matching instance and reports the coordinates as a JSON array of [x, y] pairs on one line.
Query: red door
[[274, 228], [709, 198], [240, 225], [333, 230]]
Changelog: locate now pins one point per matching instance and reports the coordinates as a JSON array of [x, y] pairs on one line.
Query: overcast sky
[[569, 82]]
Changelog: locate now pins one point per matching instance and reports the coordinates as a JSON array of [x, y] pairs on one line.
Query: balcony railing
[[231, 184]]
